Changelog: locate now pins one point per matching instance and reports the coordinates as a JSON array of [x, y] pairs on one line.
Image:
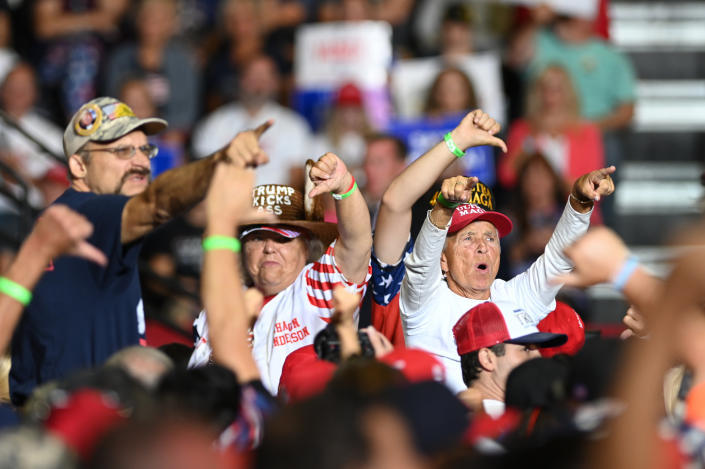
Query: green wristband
[[212, 243], [443, 201], [347, 194], [15, 291], [452, 146]]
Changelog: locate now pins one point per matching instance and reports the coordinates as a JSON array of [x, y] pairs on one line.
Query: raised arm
[[354, 245], [58, 231], [394, 217], [601, 257], [175, 191], [228, 202]]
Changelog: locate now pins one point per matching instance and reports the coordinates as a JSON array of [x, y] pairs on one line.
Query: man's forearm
[[168, 195]]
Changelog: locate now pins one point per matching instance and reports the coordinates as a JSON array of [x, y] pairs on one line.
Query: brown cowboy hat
[[293, 209]]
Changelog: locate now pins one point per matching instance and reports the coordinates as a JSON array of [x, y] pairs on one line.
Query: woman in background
[[553, 127]]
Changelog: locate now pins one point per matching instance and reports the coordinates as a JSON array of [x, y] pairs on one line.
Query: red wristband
[[352, 184]]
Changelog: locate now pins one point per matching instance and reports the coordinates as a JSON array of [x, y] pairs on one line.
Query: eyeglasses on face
[[126, 152]]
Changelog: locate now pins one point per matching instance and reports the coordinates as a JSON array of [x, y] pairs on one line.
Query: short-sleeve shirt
[[290, 319], [81, 313], [603, 77]]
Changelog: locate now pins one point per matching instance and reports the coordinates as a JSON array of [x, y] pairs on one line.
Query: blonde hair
[[534, 110]]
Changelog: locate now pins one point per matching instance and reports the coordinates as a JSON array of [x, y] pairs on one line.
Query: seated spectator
[[73, 36], [450, 94], [385, 158], [280, 260], [603, 76], [31, 152], [492, 339], [135, 93], [18, 96], [287, 143], [345, 128], [168, 68], [537, 207], [553, 127], [243, 40]]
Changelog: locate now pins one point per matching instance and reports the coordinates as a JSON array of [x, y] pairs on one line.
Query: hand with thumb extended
[[477, 128], [329, 174]]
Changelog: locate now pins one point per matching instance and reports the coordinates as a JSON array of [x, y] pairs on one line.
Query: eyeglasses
[[128, 151]]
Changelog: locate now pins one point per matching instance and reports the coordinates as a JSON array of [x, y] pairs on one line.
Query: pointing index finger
[[607, 171], [262, 128]]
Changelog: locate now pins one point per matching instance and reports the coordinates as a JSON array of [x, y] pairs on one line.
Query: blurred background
[[576, 84]]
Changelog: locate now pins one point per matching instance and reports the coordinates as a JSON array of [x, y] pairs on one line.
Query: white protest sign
[[412, 79], [330, 54]]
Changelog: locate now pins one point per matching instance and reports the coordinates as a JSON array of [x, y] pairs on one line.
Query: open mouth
[[482, 267]]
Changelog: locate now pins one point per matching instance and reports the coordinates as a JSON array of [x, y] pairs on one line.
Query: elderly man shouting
[[456, 258]]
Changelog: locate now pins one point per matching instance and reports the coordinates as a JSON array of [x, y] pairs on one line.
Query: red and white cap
[[493, 323], [467, 213], [287, 233]]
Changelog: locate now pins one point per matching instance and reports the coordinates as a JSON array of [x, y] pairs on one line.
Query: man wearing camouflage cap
[[81, 313]]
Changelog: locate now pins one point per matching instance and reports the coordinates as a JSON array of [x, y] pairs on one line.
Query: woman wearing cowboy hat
[[282, 261]]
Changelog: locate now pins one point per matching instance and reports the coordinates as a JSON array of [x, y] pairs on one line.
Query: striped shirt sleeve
[[323, 276]]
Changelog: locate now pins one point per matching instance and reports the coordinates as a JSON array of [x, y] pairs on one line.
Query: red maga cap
[[304, 375], [416, 364], [489, 324], [564, 320], [467, 213]]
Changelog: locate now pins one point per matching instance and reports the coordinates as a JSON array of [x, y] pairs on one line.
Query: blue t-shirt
[[81, 312]]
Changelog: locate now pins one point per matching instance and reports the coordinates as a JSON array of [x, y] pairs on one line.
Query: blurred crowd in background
[[378, 83], [212, 68]]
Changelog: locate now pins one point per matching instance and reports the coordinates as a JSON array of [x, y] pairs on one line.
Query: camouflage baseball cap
[[104, 119]]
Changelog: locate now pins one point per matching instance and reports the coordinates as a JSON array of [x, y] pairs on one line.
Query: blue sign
[[422, 134]]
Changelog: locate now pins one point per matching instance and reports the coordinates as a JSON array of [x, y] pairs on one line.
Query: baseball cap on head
[[492, 323], [349, 95], [465, 214], [564, 320], [281, 231], [416, 364], [104, 119], [480, 206]]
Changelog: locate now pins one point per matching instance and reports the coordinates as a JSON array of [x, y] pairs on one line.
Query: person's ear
[[77, 166], [444, 262], [487, 359]]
